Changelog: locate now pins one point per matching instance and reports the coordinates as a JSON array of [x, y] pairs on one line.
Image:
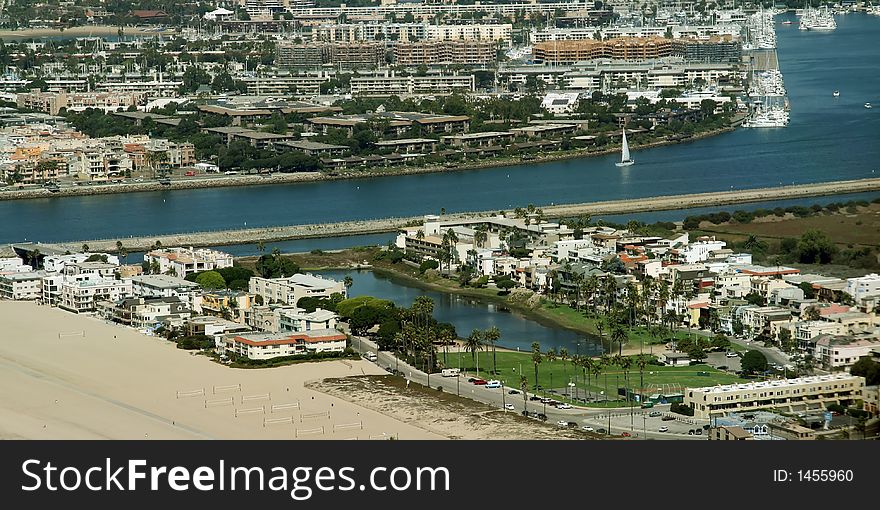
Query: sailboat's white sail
[[624, 152]]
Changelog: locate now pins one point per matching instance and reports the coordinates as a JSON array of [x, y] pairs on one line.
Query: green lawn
[[569, 317], [556, 375]]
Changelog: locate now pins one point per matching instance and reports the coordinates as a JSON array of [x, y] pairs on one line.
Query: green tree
[[473, 344], [492, 335], [753, 362], [211, 280]]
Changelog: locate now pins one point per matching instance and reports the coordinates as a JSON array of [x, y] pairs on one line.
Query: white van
[[494, 383], [370, 356], [450, 372]]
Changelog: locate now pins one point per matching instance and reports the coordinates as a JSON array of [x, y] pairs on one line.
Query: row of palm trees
[[591, 367]]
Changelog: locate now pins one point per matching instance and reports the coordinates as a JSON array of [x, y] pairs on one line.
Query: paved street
[[635, 422]]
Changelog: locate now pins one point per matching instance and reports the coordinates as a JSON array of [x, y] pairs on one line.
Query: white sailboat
[[625, 160]]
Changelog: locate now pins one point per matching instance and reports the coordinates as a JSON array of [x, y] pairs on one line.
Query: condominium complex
[[389, 84], [181, 262], [636, 48], [272, 345], [54, 102], [290, 290], [789, 394], [345, 55], [446, 52]]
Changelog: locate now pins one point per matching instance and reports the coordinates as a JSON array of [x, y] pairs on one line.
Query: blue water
[[828, 139], [468, 314]]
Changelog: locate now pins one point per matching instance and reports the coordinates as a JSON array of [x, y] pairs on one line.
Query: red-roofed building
[[148, 15], [273, 345]]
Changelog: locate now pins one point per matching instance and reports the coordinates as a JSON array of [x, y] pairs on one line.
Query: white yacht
[[868, 106], [836, 93]]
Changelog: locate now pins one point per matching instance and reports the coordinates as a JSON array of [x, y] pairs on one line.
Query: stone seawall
[[660, 203]]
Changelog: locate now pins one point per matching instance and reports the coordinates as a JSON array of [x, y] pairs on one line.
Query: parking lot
[[720, 359]]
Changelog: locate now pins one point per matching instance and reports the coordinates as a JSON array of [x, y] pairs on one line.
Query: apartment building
[[863, 286], [23, 286], [389, 84], [272, 345], [54, 102], [838, 352], [181, 262], [291, 289], [498, 33], [282, 85], [461, 52], [792, 395], [81, 295], [345, 55], [357, 32], [165, 286]]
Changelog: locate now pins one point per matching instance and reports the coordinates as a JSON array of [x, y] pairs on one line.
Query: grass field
[[557, 374], [860, 228]]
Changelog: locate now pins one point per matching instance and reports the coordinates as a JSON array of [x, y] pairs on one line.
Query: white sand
[[98, 387]]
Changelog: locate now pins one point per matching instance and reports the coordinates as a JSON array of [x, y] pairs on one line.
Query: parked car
[[654, 414], [509, 407], [602, 431], [664, 428], [493, 384], [471, 379], [534, 398], [513, 392], [731, 354], [563, 406], [626, 434], [572, 425], [480, 382], [587, 428], [542, 416], [668, 418]]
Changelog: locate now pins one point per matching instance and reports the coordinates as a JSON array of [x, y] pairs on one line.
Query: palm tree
[[480, 237], [473, 344], [619, 336], [536, 359], [348, 281], [563, 355], [420, 234], [261, 246], [492, 335], [641, 362], [85, 248]]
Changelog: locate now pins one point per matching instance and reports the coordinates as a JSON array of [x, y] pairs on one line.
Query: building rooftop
[[164, 281], [779, 383]]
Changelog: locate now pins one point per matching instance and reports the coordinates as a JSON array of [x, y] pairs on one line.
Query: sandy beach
[[102, 381]]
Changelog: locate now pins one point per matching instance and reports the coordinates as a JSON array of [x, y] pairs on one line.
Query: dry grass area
[[437, 412], [860, 228]]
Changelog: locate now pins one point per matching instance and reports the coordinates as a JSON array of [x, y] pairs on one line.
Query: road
[[617, 421]]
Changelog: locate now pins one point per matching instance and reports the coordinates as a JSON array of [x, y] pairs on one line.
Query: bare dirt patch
[[441, 413]]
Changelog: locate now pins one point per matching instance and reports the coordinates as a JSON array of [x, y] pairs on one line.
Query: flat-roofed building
[[311, 148], [787, 394], [81, 295], [293, 288], [273, 345], [165, 286], [408, 145], [461, 52], [479, 139], [22, 286], [181, 262], [729, 433]]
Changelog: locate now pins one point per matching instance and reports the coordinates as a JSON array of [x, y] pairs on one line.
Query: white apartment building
[[13, 265], [358, 32], [185, 261], [22, 286], [560, 102], [481, 32], [837, 352], [697, 251], [164, 286], [80, 294], [390, 85], [299, 320], [863, 286], [57, 263], [290, 290], [790, 394], [273, 345]]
